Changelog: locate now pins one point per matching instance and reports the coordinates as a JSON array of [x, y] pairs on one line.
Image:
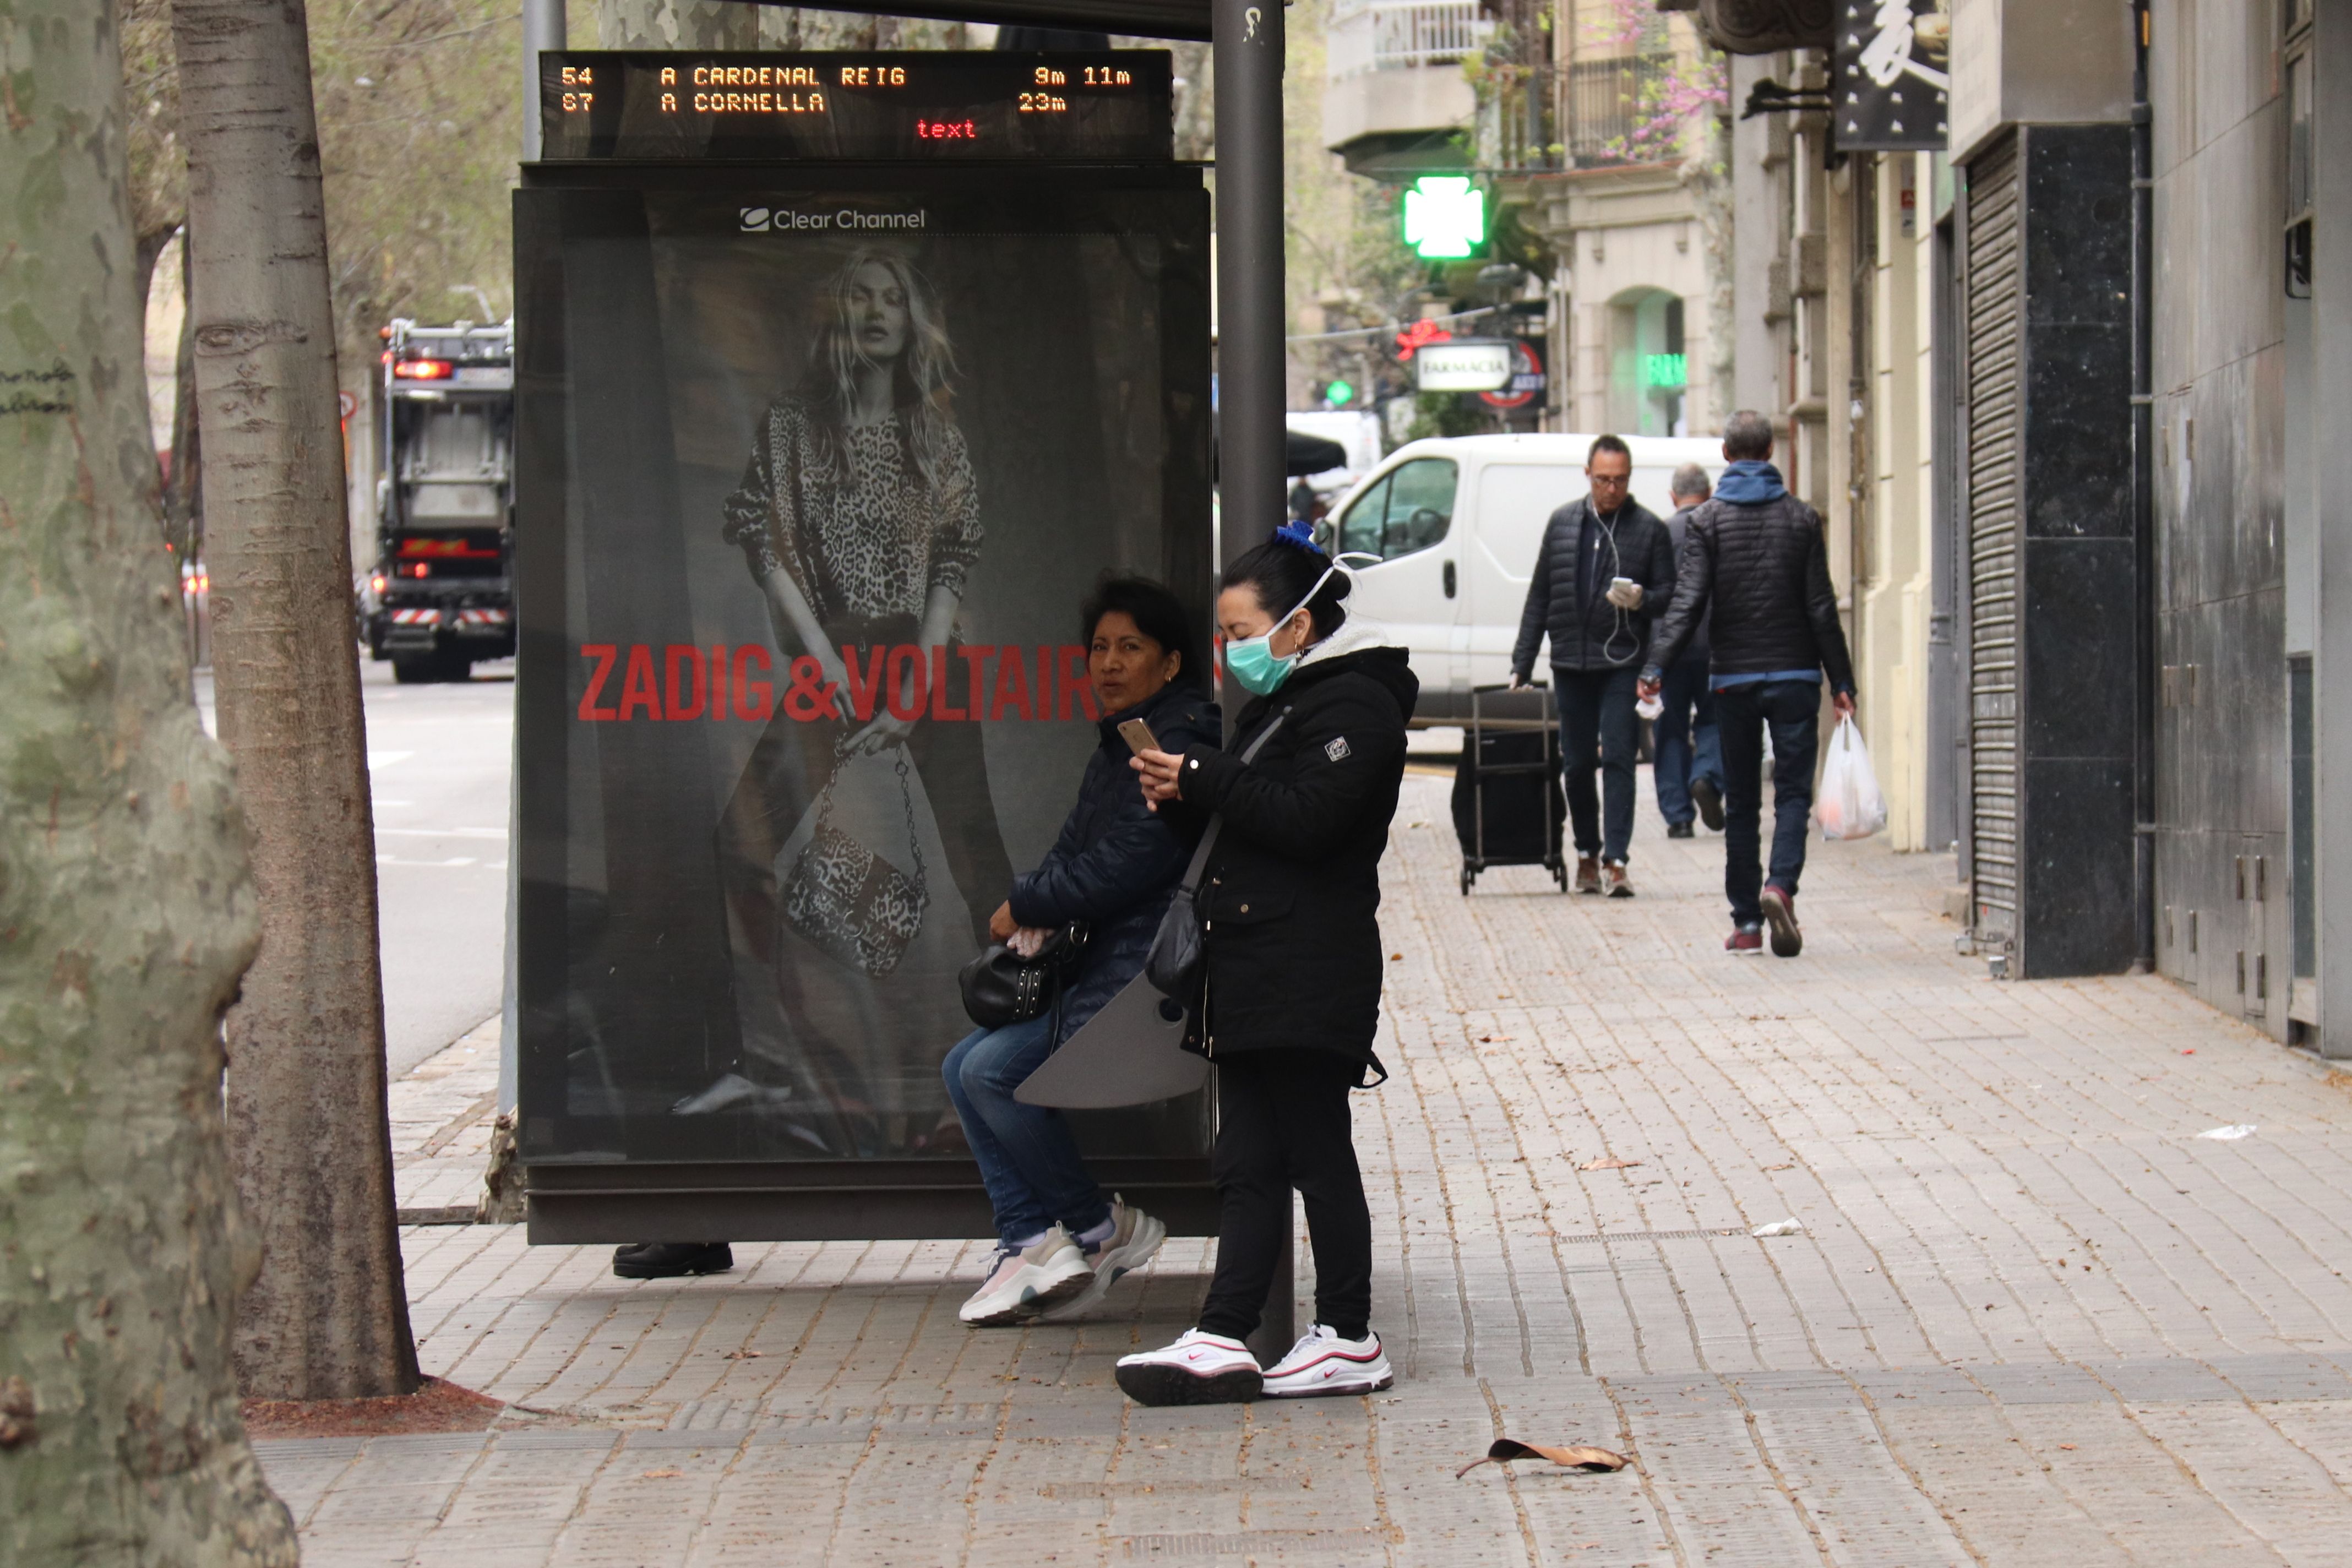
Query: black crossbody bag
[[1180, 947]]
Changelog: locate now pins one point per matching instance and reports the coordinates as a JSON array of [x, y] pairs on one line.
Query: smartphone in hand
[[1138, 737]]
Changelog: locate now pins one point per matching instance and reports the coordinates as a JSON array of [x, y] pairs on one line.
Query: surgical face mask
[[1252, 661]]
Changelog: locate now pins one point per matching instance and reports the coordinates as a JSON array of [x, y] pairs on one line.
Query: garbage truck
[[440, 594]]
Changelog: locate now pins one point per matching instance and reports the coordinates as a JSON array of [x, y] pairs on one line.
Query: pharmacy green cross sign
[[1445, 217]]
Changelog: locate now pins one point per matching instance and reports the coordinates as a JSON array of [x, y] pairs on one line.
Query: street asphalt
[[439, 758]]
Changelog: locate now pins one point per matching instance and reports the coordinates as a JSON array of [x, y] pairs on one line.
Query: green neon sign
[[1665, 369], [1444, 216]]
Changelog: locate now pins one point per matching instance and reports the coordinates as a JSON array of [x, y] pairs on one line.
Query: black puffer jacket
[[1678, 530], [1759, 577], [1587, 631], [1116, 863], [1293, 888]]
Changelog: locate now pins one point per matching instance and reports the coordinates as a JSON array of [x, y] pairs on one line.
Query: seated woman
[[1062, 1245]]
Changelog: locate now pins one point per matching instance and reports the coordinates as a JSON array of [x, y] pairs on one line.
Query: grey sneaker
[[1134, 1237], [1024, 1284], [1614, 880]]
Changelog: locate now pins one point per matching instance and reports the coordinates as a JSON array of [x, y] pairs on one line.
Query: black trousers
[[1596, 713], [1282, 1122]]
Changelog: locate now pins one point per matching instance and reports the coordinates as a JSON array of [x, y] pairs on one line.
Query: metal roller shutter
[[1994, 305]]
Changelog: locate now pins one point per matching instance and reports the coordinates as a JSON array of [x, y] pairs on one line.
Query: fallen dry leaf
[[663, 1475], [1607, 1162], [1503, 1450], [742, 1355], [2068, 1447]]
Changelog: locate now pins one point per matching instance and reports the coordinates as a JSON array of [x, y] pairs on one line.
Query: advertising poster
[[823, 477]]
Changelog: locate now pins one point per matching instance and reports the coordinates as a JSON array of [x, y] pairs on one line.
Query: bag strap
[[1191, 882]]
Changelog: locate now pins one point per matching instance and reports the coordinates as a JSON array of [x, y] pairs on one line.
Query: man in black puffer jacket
[[1606, 563], [1756, 571]]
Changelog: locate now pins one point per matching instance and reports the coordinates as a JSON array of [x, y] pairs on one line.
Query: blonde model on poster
[[862, 857]]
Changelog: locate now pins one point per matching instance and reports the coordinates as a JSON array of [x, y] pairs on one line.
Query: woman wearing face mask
[[1290, 1001]]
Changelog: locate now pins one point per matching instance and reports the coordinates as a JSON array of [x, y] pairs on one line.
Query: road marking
[[386, 759], [396, 860]]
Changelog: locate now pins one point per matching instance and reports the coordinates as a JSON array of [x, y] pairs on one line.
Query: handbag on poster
[[849, 902], [1181, 945], [1001, 987]]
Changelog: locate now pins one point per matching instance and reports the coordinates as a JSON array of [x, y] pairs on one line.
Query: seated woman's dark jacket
[[1292, 892], [1117, 862]]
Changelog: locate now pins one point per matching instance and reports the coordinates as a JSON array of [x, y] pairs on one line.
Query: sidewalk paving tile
[[2030, 1316]]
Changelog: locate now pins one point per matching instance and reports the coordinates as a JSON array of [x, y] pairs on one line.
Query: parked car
[[1456, 522]]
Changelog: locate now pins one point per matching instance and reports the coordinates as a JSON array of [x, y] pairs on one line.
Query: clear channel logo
[[754, 220]]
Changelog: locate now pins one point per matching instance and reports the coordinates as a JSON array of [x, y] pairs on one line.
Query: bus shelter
[[840, 379]]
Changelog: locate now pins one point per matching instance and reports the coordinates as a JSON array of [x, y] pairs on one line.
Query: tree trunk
[[329, 1317], [677, 24], [125, 911]]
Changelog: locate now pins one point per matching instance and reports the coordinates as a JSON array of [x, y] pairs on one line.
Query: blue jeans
[[1793, 708], [1689, 747], [1028, 1160], [1596, 714]]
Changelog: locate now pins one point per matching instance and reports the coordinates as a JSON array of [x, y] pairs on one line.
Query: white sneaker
[[1024, 1284], [1322, 1362], [1198, 1369], [1134, 1237]]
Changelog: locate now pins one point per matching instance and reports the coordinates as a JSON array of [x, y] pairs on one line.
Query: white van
[[1457, 522]]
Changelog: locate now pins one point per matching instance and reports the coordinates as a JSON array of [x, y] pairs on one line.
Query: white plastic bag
[[1848, 805]]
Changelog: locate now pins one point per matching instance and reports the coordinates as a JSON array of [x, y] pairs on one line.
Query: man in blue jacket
[[1756, 571], [1606, 560]]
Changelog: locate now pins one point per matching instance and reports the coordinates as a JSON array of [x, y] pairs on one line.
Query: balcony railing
[[1385, 34], [1617, 110]]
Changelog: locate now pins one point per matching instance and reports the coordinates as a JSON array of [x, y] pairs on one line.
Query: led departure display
[[979, 105]]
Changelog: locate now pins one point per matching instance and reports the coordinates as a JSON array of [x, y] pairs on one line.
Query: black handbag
[[1001, 987], [1181, 945]]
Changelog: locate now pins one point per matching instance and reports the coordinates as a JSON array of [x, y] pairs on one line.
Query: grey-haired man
[[1689, 773]]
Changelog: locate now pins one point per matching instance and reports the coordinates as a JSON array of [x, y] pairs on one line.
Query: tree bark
[[126, 914], [327, 1318]]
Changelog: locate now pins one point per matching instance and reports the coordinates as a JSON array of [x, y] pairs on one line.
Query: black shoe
[[1709, 801], [668, 1259], [1681, 830]]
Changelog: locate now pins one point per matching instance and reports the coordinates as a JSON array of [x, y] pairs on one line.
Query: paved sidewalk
[[2032, 1317]]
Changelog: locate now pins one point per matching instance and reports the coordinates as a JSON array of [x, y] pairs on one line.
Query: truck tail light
[[423, 370]]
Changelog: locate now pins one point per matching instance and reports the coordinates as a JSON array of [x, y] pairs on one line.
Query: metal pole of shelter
[[1247, 50], [543, 26]]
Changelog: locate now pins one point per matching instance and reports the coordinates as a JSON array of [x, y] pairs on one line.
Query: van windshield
[[1408, 509]]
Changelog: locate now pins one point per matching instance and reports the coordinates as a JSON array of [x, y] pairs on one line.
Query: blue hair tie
[[1299, 534]]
